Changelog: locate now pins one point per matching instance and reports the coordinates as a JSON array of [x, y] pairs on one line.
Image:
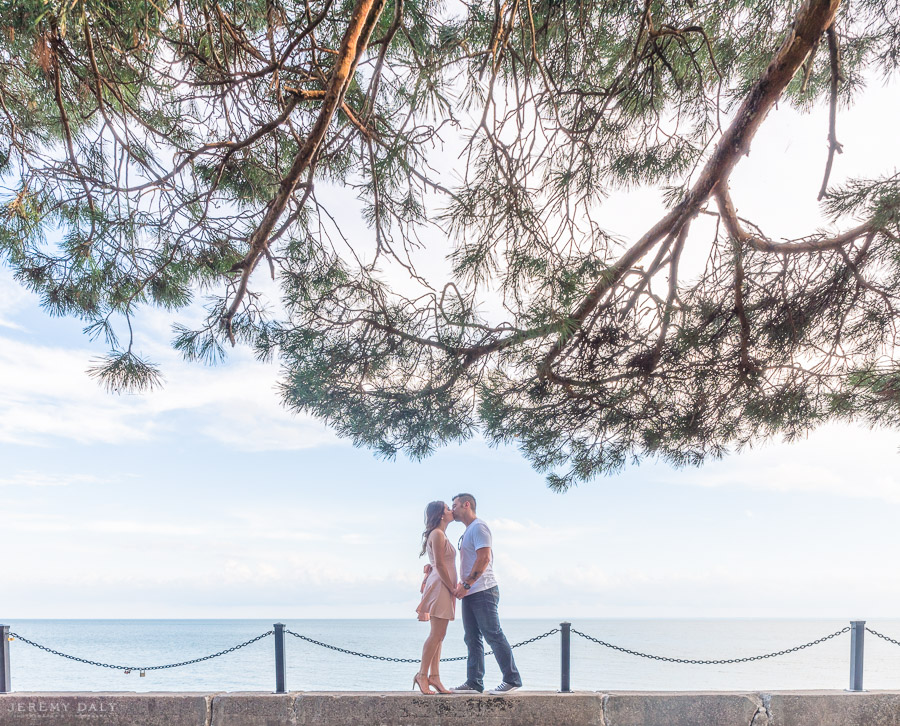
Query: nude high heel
[[436, 683], [417, 682]]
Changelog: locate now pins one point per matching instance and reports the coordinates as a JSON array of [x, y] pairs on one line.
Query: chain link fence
[[409, 660], [142, 669], [882, 636], [722, 661], [856, 628]]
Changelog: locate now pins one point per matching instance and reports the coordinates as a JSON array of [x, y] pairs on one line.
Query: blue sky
[[206, 499]]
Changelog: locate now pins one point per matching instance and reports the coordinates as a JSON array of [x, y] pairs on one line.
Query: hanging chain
[[712, 662], [389, 659], [408, 660], [883, 637], [141, 668]]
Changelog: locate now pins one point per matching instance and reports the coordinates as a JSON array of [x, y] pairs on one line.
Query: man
[[480, 595]]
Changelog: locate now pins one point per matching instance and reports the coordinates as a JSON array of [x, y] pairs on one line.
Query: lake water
[[310, 667]]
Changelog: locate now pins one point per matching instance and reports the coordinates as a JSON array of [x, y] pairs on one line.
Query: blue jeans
[[480, 619]]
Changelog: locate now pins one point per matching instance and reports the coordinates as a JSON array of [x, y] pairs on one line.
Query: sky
[[206, 499]]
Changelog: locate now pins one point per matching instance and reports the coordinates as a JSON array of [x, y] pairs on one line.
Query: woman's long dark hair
[[434, 513]]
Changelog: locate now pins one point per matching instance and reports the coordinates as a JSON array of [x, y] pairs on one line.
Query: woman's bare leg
[[435, 670], [433, 642], [438, 632], [421, 678]]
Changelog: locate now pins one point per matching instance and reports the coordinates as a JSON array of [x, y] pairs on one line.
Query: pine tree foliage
[[154, 151]]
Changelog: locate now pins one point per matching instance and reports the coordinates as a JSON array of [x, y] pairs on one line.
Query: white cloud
[[63, 525], [13, 298], [8, 324], [32, 478], [264, 426], [531, 535], [509, 525], [839, 460], [46, 393]]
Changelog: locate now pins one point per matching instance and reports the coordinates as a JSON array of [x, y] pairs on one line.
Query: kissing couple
[[477, 590]]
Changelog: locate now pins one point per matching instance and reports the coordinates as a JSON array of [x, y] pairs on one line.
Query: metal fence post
[[4, 660], [565, 658], [279, 657], [857, 636]]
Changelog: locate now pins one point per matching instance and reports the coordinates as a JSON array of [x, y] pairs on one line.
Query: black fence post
[[279, 657], [565, 658], [4, 660], [857, 636]]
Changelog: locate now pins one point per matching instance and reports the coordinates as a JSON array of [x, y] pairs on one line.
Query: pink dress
[[437, 600]]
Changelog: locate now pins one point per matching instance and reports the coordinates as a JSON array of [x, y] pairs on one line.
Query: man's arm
[[482, 558]]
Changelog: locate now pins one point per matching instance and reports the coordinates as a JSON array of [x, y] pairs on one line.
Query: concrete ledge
[[106, 709], [795, 708], [644, 709], [811, 708], [401, 709]]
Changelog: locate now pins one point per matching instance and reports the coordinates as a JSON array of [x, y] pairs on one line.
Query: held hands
[[456, 590]]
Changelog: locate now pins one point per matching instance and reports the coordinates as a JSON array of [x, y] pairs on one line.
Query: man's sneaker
[[465, 688], [503, 689]]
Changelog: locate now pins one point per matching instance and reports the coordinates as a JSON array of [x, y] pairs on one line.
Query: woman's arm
[[437, 546]]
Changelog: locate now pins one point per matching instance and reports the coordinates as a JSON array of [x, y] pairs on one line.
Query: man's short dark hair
[[466, 498]]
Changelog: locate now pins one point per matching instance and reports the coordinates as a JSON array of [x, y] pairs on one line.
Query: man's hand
[[461, 592], [427, 570]]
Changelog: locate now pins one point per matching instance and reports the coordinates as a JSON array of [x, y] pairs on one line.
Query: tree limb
[[836, 78], [762, 244], [356, 37], [811, 21]]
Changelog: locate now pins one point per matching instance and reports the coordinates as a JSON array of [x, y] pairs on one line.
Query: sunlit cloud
[[46, 394]]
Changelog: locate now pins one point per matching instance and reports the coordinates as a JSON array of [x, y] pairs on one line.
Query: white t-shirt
[[476, 536]]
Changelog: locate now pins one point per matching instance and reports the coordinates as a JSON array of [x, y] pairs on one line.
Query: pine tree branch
[[810, 22], [672, 294], [836, 78], [56, 43], [356, 37], [763, 244], [747, 366]]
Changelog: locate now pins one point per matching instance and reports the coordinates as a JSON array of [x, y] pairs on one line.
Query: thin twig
[[836, 78]]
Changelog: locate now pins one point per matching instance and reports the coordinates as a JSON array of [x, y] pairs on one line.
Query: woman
[[438, 605]]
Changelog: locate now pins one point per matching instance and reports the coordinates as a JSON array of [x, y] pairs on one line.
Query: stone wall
[[799, 708]]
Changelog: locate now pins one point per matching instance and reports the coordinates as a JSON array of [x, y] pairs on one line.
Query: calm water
[[309, 667]]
